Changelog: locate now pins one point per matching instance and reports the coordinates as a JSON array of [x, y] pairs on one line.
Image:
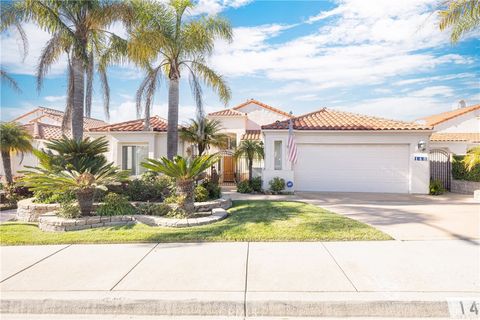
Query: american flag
[[292, 147]]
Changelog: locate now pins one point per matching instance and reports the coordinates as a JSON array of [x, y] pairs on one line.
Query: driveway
[[406, 217]]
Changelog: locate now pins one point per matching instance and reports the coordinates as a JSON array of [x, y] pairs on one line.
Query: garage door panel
[[357, 168]]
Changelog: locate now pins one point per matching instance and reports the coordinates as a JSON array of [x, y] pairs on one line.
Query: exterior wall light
[[422, 146]]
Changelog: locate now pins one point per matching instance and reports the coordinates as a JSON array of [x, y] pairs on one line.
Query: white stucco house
[[456, 131]]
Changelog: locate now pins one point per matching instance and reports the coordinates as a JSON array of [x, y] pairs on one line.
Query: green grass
[[247, 221]]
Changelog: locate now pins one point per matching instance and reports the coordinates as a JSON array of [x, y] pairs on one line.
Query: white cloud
[[212, 7], [55, 98], [423, 80], [433, 91]]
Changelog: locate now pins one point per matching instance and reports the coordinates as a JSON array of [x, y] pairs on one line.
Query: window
[[277, 155], [132, 157]]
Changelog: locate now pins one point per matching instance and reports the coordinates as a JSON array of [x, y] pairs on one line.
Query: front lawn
[[248, 221]]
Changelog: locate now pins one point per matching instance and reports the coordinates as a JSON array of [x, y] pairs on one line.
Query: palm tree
[[10, 81], [180, 45], [184, 171], [472, 158], [204, 133], [251, 150], [78, 29], [462, 15], [13, 138]]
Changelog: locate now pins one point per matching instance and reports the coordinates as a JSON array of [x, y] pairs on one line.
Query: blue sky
[[384, 58]]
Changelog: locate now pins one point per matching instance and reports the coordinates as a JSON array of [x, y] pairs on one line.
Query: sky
[[377, 57]]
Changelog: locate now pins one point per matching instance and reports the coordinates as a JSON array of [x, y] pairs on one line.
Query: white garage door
[[355, 168]]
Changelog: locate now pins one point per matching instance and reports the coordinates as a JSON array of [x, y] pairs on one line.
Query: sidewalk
[[385, 278]]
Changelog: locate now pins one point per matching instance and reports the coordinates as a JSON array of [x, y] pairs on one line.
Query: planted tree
[[13, 139], [251, 150], [472, 158], [204, 133]]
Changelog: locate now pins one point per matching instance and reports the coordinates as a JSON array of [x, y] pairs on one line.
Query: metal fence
[[441, 167]]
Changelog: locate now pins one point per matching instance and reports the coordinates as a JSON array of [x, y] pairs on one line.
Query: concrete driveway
[[406, 217]]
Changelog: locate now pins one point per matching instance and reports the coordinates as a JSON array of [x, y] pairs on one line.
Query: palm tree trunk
[[7, 166], [85, 201], [172, 131], [186, 189], [78, 97], [250, 171]]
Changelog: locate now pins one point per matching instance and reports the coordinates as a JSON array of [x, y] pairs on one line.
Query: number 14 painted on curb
[[464, 308]]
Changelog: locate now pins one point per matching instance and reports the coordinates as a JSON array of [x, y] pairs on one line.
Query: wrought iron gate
[[440, 167]]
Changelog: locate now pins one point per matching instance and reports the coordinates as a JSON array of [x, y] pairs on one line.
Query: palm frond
[[10, 81]]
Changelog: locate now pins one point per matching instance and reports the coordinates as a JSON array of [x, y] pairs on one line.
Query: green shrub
[[69, 209], [201, 193], [174, 199], [149, 176], [436, 187], [214, 190], [149, 188], [277, 184], [42, 196], [154, 209], [115, 205], [178, 213], [459, 171], [244, 187], [256, 184]]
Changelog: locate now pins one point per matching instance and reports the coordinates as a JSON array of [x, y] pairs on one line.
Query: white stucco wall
[[419, 171], [259, 116], [454, 147], [234, 125], [29, 159], [469, 122]]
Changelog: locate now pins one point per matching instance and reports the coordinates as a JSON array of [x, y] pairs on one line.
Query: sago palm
[[13, 139], [176, 44], [251, 150], [204, 133], [461, 15], [78, 29], [184, 171]]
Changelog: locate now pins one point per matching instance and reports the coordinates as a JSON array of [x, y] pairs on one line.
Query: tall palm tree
[[250, 149], [462, 15], [13, 139], [204, 133], [78, 29], [163, 33]]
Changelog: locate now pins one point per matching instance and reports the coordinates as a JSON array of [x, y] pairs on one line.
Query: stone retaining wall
[[52, 222], [464, 187]]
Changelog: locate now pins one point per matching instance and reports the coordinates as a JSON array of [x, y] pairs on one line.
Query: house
[[456, 131], [346, 152], [43, 124]]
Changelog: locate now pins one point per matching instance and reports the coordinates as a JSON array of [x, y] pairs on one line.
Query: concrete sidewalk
[[385, 278]]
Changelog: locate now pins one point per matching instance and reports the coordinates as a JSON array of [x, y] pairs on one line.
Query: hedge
[[460, 173]]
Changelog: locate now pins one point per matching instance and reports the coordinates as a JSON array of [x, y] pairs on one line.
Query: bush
[[244, 187], [436, 187], [214, 190], [459, 171], [149, 188], [154, 209], [115, 205], [201, 193], [256, 184], [178, 213], [53, 197], [174, 199], [277, 184], [69, 209], [15, 192]]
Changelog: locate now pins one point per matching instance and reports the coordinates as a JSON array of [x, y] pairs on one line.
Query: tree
[[250, 149], [162, 33], [461, 15], [13, 139], [78, 29], [472, 158], [204, 133]]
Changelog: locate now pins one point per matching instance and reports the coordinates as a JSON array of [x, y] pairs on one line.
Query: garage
[[352, 168]]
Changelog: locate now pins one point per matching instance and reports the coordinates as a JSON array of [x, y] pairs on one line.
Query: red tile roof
[[45, 131], [326, 119], [435, 119], [251, 135], [263, 105], [227, 113], [455, 137], [156, 124]]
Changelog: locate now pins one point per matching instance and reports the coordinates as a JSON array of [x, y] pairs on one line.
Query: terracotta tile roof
[[455, 137], [227, 113], [251, 135], [263, 105], [444, 116], [45, 131], [326, 119], [156, 124]]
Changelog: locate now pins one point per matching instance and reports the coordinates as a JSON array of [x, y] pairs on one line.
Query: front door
[[228, 169]]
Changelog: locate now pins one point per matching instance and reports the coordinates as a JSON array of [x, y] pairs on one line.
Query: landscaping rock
[[224, 203]]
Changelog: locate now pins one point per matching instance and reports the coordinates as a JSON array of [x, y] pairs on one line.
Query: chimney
[[36, 130], [461, 104]]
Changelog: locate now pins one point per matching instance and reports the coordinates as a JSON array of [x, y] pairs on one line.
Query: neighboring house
[[346, 152], [243, 122], [455, 131], [130, 145], [43, 124]]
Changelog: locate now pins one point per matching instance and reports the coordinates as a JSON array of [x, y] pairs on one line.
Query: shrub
[[201, 193], [69, 209], [15, 192], [214, 190], [178, 213], [460, 172], [436, 187], [149, 188], [154, 209], [244, 187], [42, 196], [115, 205], [256, 184], [277, 184], [175, 199]]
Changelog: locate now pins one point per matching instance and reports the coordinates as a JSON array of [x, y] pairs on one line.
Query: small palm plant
[[184, 171], [13, 139], [251, 150], [204, 133], [472, 158]]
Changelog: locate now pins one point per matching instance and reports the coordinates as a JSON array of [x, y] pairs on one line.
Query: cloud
[[55, 98], [433, 91], [212, 7], [423, 80]]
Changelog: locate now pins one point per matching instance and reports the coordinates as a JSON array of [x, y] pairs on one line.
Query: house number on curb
[[464, 308], [289, 184]]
